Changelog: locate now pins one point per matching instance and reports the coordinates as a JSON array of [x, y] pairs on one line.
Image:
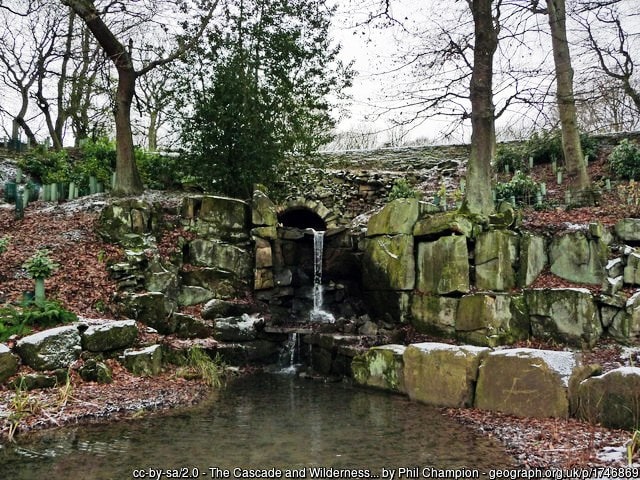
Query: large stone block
[[126, 216], [153, 309], [237, 329], [434, 314], [146, 362], [397, 217], [443, 266], [631, 272], [444, 223], [567, 315], [533, 258], [263, 210], [442, 375], [8, 363], [577, 258], [611, 399], [221, 256], [388, 263], [50, 349], [526, 382], [224, 214], [492, 319], [110, 336], [628, 229], [392, 306], [496, 259], [380, 367]]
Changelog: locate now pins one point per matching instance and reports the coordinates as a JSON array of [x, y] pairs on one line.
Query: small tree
[[39, 267]]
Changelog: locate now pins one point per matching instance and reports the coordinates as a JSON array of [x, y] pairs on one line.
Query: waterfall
[[290, 354], [317, 314]]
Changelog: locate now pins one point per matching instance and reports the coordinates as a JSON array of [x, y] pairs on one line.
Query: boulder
[[110, 336], [614, 317], [146, 362], [218, 308], [126, 216], [577, 258], [263, 279], [8, 363], [567, 315], [264, 257], [611, 399], [237, 329], [50, 349], [492, 319], [628, 229], [533, 258], [221, 256], [225, 217], [442, 375], [397, 217], [188, 326], [388, 263], [153, 309], [33, 381], [223, 284], [443, 266], [496, 259], [263, 210], [628, 326], [445, 223], [191, 295], [95, 371], [434, 314], [526, 382], [631, 272], [380, 367]]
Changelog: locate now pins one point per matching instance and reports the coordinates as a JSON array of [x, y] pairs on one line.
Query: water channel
[[259, 421]]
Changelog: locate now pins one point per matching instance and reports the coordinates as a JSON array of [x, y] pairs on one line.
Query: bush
[[14, 321], [521, 186], [47, 166], [40, 265], [515, 156], [161, 172], [624, 160], [402, 189]]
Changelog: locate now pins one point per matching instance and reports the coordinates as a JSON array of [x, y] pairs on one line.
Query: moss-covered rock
[[388, 263], [392, 306], [110, 336], [567, 315], [50, 349], [444, 223], [127, 216], [492, 319], [397, 217], [577, 258], [443, 266], [496, 258], [380, 367], [8, 363], [221, 256], [191, 295], [526, 382], [631, 272], [612, 399], [533, 258], [95, 371], [152, 308], [434, 314], [237, 329], [224, 215], [441, 374], [628, 229], [146, 362], [263, 210], [628, 326]]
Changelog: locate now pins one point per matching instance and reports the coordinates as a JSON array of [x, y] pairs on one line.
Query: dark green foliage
[[512, 154], [17, 321], [402, 189], [47, 166], [98, 159], [259, 93], [521, 186], [40, 265], [624, 160], [160, 172]]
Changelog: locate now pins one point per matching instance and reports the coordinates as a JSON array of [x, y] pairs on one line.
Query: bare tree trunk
[[128, 181], [478, 195], [20, 123], [574, 159], [153, 131]]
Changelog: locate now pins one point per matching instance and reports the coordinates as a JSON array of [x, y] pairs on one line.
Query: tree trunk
[[153, 130], [478, 195], [128, 180], [575, 164]]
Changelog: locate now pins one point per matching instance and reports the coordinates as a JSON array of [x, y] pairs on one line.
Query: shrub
[[47, 166], [624, 160], [98, 159], [515, 156], [4, 243], [40, 265], [521, 186], [160, 171], [14, 321], [402, 189]]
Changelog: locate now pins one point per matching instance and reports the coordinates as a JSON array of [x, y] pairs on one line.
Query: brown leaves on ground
[[81, 283]]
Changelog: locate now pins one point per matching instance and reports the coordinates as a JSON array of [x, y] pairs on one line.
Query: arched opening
[[302, 218]]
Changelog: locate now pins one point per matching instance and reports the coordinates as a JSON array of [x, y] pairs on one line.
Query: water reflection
[[260, 421]]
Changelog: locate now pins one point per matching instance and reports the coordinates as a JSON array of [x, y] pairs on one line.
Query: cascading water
[[290, 355], [317, 314]]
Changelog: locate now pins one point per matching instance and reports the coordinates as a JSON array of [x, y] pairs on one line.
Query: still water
[[260, 421]]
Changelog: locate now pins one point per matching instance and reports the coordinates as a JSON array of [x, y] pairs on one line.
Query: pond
[[300, 428]]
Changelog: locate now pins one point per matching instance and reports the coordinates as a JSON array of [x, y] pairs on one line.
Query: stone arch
[[303, 213]]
